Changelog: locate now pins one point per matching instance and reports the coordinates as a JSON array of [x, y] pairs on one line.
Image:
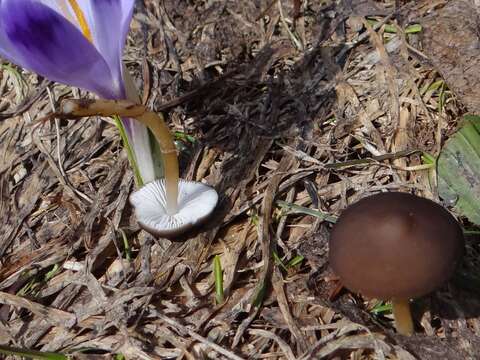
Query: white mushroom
[[195, 203]]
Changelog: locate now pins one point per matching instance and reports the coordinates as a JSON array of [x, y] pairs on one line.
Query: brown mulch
[[292, 110]]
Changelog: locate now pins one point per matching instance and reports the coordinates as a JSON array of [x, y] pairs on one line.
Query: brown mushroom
[[395, 246]]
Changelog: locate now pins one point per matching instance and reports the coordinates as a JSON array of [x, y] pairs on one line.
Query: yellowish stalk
[[155, 122], [101, 107], [403, 316]]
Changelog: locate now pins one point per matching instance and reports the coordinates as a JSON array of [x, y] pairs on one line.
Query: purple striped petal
[[7, 51], [111, 19], [108, 22], [63, 8], [41, 40]]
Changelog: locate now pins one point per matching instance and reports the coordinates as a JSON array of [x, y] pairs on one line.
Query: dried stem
[[155, 122]]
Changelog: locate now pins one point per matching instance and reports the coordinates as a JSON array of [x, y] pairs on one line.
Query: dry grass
[[288, 118]]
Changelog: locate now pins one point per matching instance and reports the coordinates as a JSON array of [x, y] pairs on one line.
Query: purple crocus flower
[[75, 43]]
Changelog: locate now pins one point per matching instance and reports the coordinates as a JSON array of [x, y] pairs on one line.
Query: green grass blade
[[382, 308], [432, 87], [130, 153], [413, 29], [31, 354], [297, 209], [428, 159], [261, 291], [279, 261], [218, 274], [20, 84], [295, 261], [126, 245]]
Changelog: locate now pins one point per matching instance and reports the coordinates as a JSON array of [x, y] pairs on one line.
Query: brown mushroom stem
[[155, 122], [403, 316]]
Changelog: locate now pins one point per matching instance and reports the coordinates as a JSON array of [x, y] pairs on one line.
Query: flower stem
[[403, 316], [155, 122]]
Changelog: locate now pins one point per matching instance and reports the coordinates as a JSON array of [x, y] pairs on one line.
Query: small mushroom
[[395, 246], [166, 207], [195, 203]]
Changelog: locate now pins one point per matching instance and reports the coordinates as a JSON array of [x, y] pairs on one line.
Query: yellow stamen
[[81, 20]]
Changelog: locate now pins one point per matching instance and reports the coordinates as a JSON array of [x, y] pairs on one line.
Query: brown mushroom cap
[[395, 246]]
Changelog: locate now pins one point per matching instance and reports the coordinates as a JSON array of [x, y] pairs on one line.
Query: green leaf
[[442, 98], [128, 147], [260, 292], [31, 354], [428, 158], [157, 156], [391, 29], [126, 245], [49, 275], [278, 261], [179, 135], [458, 169], [413, 29], [291, 208], [218, 274], [381, 307], [432, 87], [19, 83], [295, 261]]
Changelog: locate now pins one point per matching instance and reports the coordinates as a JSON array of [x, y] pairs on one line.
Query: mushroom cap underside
[[196, 201]]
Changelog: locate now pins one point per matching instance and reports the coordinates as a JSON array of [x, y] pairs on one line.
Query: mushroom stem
[[403, 316], [158, 127], [155, 122]]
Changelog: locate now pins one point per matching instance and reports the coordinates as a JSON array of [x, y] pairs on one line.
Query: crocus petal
[[111, 22], [41, 40], [45, 36], [63, 8], [108, 21], [7, 51]]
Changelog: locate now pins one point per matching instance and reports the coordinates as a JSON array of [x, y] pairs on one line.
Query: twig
[[297, 42], [53, 316], [282, 344], [57, 130], [197, 337], [24, 106]]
